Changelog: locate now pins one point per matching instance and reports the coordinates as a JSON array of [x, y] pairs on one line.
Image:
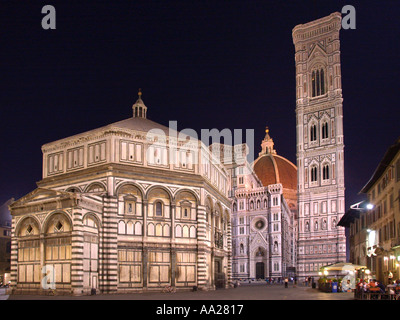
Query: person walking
[[286, 282], [306, 282], [381, 286], [390, 277]]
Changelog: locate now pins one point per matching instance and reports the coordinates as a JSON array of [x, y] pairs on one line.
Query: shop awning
[[343, 266]]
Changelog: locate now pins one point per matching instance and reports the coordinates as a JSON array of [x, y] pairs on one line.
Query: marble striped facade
[[112, 216]]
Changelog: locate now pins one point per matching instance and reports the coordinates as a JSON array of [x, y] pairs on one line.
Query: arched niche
[[159, 202], [186, 205], [130, 200]]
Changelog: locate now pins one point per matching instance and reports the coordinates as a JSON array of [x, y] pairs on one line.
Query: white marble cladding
[[128, 147], [275, 188], [320, 144]]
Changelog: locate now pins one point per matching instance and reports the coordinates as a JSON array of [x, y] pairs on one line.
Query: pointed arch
[[318, 79]]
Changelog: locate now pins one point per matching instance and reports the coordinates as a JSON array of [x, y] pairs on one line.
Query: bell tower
[[320, 145]]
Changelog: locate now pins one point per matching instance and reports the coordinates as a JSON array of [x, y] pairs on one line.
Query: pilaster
[[108, 275], [201, 248], [77, 254], [14, 257]]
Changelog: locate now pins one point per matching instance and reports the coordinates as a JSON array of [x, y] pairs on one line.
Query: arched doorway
[[260, 270], [219, 275], [259, 263]]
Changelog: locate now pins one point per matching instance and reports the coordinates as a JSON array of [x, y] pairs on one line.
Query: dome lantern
[[139, 108], [267, 145]]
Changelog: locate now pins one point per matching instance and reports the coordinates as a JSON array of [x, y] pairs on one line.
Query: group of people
[[308, 281], [377, 286]]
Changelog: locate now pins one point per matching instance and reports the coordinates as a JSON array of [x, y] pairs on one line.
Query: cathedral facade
[[123, 208], [264, 216], [320, 144]]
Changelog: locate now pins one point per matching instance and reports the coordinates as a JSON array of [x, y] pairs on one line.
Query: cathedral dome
[[271, 169]]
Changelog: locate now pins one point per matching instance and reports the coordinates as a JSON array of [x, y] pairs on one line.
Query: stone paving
[[3, 295], [254, 291]]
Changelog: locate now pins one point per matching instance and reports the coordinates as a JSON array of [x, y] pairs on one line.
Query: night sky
[[206, 64]]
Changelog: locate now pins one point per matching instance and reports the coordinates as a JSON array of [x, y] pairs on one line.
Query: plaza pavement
[[3, 295], [254, 291]]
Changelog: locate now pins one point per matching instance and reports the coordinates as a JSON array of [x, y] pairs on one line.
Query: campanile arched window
[[314, 174], [325, 130], [313, 132], [318, 87], [325, 172]]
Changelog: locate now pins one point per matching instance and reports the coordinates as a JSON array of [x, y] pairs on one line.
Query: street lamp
[[362, 205]]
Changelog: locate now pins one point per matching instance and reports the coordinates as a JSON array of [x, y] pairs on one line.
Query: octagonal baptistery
[[131, 206]]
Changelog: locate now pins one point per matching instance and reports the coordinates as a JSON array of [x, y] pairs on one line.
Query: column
[[173, 266], [77, 254], [144, 261], [145, 204], [14, 258], [201, 248], [108, 273], [173, 212], [229, 248], [173, 251]]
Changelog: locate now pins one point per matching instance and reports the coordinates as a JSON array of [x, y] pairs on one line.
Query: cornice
[[317, 28]]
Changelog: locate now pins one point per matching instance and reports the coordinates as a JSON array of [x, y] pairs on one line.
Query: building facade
[[132, 206], [375, 229], [5, 242], [320, 144], [136, 206], [263, 216]]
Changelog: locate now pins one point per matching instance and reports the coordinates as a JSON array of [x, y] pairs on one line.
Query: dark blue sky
[[206, 64]]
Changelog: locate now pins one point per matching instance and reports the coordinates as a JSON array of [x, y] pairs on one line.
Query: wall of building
[[320, 144]]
